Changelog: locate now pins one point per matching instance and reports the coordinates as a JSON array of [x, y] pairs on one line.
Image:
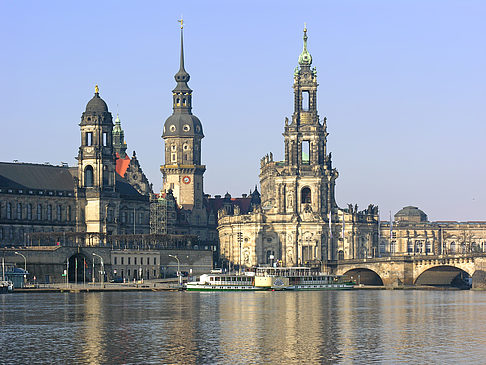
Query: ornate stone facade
[[298, 220], [410, 234], [92, 198]]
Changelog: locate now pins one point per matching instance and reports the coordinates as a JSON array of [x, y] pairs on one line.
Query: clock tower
[[182, 171]]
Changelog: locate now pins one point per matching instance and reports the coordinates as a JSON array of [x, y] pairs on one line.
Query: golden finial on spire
[[97, 89], [305, 27], [182, 22]]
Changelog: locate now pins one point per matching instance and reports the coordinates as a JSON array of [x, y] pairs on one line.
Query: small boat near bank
[[6, 286], [271, 278]]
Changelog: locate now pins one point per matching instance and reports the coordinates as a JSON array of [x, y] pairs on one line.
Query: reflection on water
[[244, 328]]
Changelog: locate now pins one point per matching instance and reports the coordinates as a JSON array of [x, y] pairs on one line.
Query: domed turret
[[96, 104], [410, 214]]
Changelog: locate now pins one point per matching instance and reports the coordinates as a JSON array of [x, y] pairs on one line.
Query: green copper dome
[[305, 59]]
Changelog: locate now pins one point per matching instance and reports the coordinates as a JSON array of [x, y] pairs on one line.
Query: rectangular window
[[128, 272], [1, 233], [39, 212], [141, 260], [155, 260], [9, 210], [68, 216], [140, 218], [19, 211], [134, 260], [89, 138], [105, 139], [59, 213], [49, 212], [173, 157], [122, 260], [305, 152], [305, 100], [129, 262], [115, 260], [29, 212]]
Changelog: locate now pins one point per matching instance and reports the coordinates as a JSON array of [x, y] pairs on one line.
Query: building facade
[[411, 233], [38, 202], [298, 220]]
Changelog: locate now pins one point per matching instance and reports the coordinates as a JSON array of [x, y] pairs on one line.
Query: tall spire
[[182, 45], [305, 59], [182, 77]]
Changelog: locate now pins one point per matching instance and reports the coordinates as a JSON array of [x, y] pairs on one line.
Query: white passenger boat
[[224, 282], [304, 278], [271, 278]]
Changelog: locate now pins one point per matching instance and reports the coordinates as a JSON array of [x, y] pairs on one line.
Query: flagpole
[[391, 230]]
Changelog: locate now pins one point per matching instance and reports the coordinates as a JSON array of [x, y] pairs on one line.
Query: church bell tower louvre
[[182, 133]]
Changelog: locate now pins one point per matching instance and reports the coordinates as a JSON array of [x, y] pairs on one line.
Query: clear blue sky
[[402, 84]]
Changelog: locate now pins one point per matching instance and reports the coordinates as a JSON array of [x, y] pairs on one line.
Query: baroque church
[[298, 220]]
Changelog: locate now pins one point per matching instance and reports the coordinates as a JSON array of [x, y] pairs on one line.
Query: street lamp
[[102, 269], [178, 268], [25, 264]]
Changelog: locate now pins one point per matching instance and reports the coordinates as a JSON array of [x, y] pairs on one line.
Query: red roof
[[122, 164]]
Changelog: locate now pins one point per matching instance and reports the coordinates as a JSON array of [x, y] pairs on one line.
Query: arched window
[[306, 195], [68, 215], [88, 177], [453, 246]]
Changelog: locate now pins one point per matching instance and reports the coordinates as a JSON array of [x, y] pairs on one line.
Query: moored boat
[[271, 278], [304, 278], [6, 286], [223, 282]]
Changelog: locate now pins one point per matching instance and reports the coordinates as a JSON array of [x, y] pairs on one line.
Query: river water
[[327, 327]]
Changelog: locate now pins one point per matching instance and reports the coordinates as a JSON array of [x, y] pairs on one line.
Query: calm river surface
[[244, 328]]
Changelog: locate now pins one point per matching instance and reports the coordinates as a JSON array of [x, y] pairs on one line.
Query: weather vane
[[182, 22]]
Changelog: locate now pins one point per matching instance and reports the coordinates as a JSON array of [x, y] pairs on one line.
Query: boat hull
[[218, 288], [322, 287]]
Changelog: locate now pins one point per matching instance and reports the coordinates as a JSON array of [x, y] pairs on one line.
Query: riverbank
[[172, 285]]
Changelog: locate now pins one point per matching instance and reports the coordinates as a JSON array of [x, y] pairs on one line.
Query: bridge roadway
[[415, 270]]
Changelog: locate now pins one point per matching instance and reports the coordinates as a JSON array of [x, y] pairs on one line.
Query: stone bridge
[[415, 270]]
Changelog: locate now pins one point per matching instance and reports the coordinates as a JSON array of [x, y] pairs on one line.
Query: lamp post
[[178, 268], [102, 269], [25, 264]]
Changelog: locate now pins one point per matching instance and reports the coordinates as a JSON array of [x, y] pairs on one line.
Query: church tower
[[182, 134], [96, 165]]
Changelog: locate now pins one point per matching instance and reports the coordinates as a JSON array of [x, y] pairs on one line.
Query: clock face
[[186, 179]]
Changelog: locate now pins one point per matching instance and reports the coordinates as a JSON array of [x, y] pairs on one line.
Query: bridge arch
[[444, 275], [362, 275]]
